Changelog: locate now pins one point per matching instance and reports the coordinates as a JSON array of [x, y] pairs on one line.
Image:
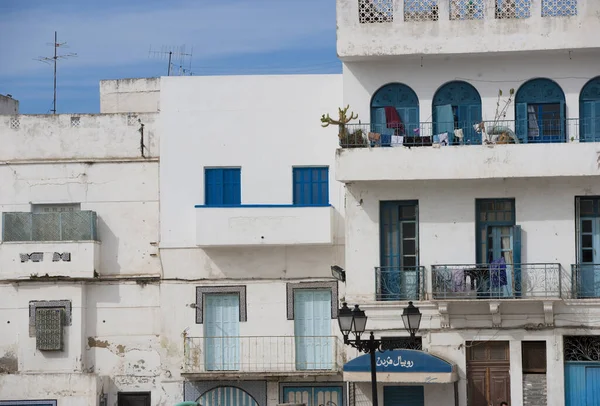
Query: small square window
[[311, 186], [222, 187]]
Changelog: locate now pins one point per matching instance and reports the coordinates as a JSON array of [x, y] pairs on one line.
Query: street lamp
[[355, 321]]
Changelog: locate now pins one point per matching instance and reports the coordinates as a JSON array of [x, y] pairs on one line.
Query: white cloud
[[117, 37]]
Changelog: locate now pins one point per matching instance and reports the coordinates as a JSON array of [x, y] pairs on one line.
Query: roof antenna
[[53, 59], [172, 54]]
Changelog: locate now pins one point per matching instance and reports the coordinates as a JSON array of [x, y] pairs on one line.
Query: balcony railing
[[60, 226], [585, 281], [400, 283], [496, 281], [470, 133], [269, 354]]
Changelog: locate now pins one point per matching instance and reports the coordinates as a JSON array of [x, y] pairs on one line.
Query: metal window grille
[[508, 9], [466, 9], [375, 11], [55, 226], [49, 329], [421, 10], [15, 123], [559, 8]]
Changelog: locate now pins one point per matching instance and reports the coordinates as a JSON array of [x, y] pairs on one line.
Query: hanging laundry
[[393, 120]]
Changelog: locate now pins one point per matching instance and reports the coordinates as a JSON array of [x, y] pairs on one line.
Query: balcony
[[262, 356], [498, 149], [375, 28], [399, 283], [269, 225], [497, 281], [585, 283], [49, 244]]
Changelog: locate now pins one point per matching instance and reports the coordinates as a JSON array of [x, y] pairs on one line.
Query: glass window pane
[[491, 216], [586, 241], [586, 226], [586, 207], [408, 211], [409, 230], [409, 261], [409, 247], [587, 256]]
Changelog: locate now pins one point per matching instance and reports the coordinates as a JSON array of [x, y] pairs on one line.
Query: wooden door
[[488, 373]]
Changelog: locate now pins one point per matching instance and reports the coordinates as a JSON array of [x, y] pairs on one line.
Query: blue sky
[[112, 39]]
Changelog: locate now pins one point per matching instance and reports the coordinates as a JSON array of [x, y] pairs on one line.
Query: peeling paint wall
[[445, 36], [130, 95], [8, 105]]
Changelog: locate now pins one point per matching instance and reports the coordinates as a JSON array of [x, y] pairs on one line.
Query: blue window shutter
[[213, 179], [586, 125], [517, 259], [563, 121], [231, 186], [311, 186], [379, 121], [473, 117], [222, 186], [596, 121], [443, 120], [412, 118], [521, 121]]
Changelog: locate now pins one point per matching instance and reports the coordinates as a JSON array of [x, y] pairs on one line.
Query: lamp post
[[355, 321]]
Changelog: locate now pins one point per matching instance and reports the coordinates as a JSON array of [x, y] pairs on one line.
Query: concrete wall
[[130, 95], [86, 137], [264, 124], [8, 105], [445, 36]]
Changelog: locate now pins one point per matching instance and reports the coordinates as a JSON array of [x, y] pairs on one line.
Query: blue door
[[540, 112], [582, 383], [314, 395], [227, 396], [312, 327], [403, 396], [221, 332], [590, 121], [589, 267], [399, 277]]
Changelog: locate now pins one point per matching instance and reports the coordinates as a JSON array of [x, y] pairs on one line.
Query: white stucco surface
[[140, 95], [247, 226], [446, 36]]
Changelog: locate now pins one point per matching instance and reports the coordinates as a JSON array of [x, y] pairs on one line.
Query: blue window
[[222, 187], [540, 112], [589, 110], [457, 106], [311, 186]]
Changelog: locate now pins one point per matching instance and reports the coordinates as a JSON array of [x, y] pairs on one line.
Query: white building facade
[[476, 201]]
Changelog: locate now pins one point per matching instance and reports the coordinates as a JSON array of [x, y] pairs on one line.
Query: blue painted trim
[[258, 206]]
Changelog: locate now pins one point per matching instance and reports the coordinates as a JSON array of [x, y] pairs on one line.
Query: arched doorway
[[540, 112], [457, 105], [394, 111], [589, 111], [227, 396]]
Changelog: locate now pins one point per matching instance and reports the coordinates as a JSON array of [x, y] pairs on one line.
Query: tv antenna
[[53, 59], [174, 54]]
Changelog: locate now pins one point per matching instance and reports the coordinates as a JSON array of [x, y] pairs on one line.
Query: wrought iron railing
[[585, 281], [264, 354], [55, 226], [497, 281], [468, 133], [400, 283]]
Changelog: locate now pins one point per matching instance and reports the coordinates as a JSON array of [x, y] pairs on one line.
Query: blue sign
[[400, 361]]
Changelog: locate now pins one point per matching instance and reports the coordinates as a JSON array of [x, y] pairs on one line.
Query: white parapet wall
[[130, 95]]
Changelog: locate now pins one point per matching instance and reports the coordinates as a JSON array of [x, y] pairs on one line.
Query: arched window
[[589, 111], [394, 111], [457, 105], [540, 112], [227, 396]]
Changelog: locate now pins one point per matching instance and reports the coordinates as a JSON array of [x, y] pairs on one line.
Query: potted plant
[[348, 138]]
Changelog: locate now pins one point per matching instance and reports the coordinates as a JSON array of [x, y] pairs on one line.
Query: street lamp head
[[411, 317], [345, 319], [359, 320]]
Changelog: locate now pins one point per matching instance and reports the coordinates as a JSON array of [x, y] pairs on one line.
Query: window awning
[[401, 366]]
